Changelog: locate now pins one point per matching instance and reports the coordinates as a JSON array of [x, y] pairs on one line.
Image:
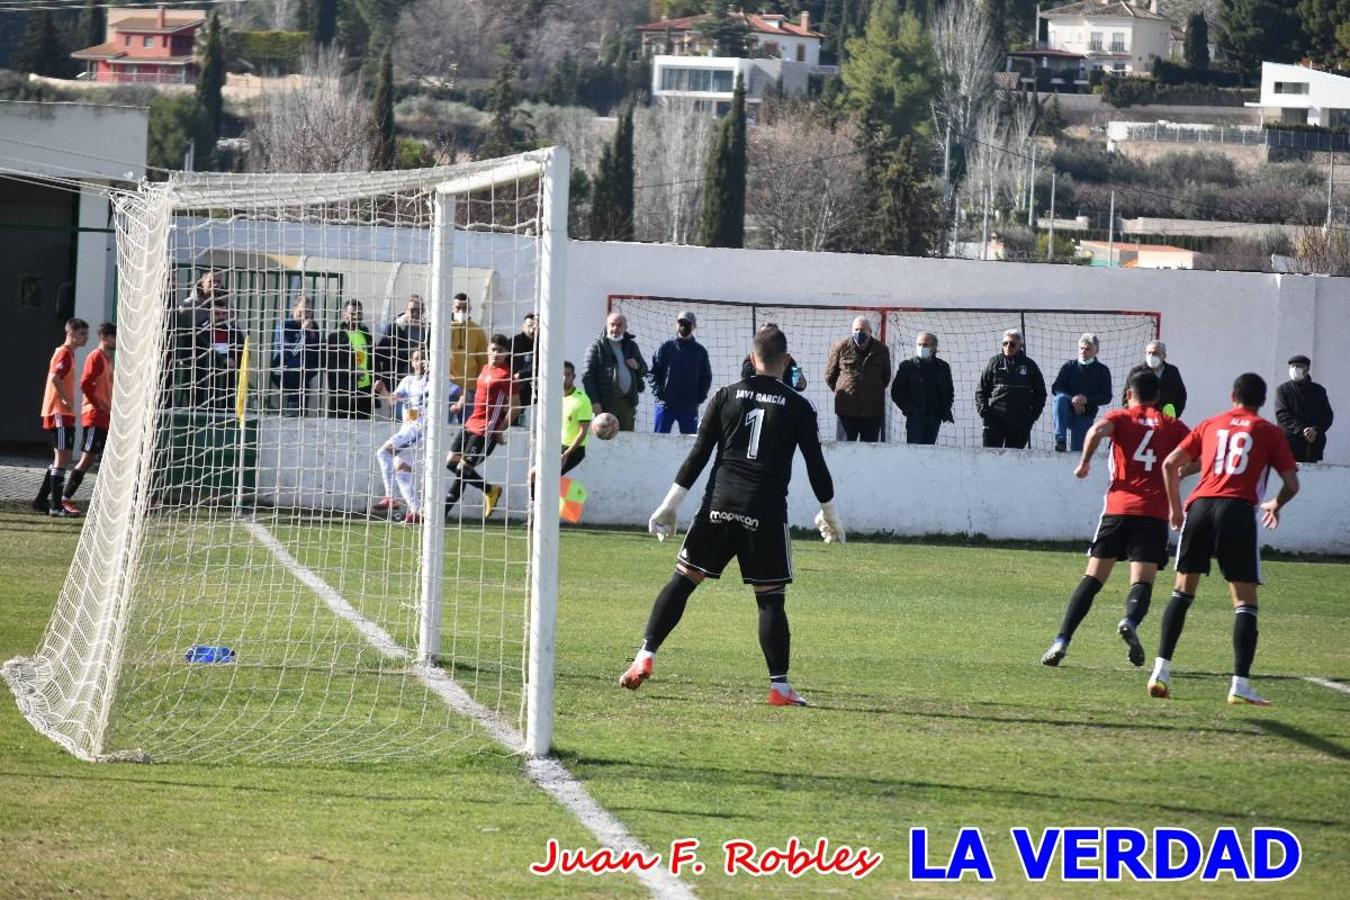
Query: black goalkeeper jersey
[[756, 425]]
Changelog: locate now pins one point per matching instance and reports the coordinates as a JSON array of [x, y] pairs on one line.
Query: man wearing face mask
[[1081, 387], [1172, 395], [681, 377], [858, 370], [1303, 411], [923, 391], [1011, 395], [468, 348]]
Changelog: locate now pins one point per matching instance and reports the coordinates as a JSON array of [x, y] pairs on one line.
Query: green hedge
[[270, 51], [1123, 91]]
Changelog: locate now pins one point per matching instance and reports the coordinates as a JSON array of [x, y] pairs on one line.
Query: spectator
[[296, 358], [793, 376], [923, 391], [350, 364], [681, 377], [522, 359], [614, 372], [468, 349], [216, 346], [1303, 411], [190, 317], [1082, 386], [1011, 395], [393, 354], [858, 370], [1172, 396]]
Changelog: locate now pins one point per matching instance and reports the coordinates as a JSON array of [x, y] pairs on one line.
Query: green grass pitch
[[931, 710]]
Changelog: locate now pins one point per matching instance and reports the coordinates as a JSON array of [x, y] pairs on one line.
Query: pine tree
[[723, 223], [1197, 42], [909, 215], [727, 33], [891, 69], [1321, 19], [1256, 31], [210, 82], [384, 153], [93, 24], [502, 138], [42, 52], [323, 19], [612, 201]]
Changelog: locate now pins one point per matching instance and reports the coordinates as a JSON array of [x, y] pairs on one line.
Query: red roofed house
[[145, 46], [775, 36]]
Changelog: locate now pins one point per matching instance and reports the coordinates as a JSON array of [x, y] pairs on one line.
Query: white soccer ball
[[605, 426]]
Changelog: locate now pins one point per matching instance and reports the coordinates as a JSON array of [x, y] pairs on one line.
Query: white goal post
[[251, 581]]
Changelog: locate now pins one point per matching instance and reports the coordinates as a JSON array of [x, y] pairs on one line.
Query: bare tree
[[805, 183], [319, 122], [577, 128], [671, 145], [439, 39], [967, 58]]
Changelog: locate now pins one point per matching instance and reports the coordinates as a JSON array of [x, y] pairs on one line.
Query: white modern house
[[1298, 95], [783, 56], [1111, 35]]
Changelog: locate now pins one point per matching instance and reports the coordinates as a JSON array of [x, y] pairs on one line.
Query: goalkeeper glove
[[663, 522], [827, 520]]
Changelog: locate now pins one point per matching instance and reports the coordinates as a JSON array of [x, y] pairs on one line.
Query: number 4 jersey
[[1141, 439], [1236, 450]]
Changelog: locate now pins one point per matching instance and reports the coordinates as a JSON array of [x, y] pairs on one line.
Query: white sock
[[407, 486], [386, 461], [1162, 669], [782, 687], [644, 655], [1240, 685]]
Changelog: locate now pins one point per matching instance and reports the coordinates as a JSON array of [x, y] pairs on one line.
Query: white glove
[[664, 521], [827, 520]]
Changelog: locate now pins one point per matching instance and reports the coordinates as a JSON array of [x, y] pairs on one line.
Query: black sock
[[774, 637], [1244, 639], [667, 610], [58, 483], [1174, 619], [1137, 602], [1080, 601], [469, 475], [73, 483], [42, 498]]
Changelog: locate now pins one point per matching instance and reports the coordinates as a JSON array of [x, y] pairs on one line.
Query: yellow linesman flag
[[571, 499], [241, 396]]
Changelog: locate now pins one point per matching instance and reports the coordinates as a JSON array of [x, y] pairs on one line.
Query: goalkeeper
[[756, 426]]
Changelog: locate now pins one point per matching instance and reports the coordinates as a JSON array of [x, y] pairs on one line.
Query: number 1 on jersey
[[755, 419]]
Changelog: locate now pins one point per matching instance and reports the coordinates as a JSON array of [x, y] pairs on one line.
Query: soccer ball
[[605, 426]]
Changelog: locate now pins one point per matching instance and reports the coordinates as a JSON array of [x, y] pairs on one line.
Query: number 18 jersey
[[1141, 439], [1236, 450]]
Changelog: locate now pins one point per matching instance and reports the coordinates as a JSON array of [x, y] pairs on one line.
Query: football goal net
[[967, 339], [270, 568]]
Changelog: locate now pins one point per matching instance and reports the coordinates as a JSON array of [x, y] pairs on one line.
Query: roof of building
[[1100, 9], [758, 23], [150, 24], [109, 50], [1130, 246], [1048, 52]]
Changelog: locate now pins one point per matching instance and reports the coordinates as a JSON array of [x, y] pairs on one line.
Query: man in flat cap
[[1303, 411]]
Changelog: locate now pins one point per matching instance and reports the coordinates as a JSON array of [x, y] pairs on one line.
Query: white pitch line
[[547, 773], [1332, 685]]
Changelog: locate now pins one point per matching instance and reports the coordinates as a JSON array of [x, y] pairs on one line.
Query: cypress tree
[[323, 19], [210, 81], [42, 51], [612, 202], [1197, 42], [382, 114], [723, 222], [501, 138], [93, 23]]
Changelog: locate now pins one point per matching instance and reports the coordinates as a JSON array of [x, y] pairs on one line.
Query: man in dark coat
[[1172, 392], [1082, 386], [923, 391], [857, 371], [614, 371], [1011, 395], [1303, 411], [349, 358], [681, 377]]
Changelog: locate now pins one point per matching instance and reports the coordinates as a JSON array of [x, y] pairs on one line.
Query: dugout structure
[[210, 615], [968, 337]]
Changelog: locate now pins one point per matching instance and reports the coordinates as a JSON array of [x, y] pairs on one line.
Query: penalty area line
[[547, 773], [1328, 683]]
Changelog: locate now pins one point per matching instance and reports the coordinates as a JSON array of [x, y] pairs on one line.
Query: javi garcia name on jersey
[[1068, 854]]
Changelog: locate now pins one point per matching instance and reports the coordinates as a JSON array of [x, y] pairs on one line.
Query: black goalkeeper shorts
[[762, 547]]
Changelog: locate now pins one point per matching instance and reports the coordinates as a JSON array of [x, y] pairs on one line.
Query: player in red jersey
[[58, 416], [496, 402], [1235, 450], [96, 386], [1133, 525]]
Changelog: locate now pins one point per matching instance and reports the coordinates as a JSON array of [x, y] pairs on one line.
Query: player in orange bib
[[96, 387], [1236, 450], [58, 416], [1133, 525]]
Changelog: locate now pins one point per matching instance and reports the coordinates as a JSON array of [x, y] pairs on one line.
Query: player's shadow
[[1306, 738]]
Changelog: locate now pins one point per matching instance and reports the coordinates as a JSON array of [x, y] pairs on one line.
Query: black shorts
[[63, 438], [574, 460], [762, 547], [474, 448], [1224, 528], [1135, 538], [94, 439]]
